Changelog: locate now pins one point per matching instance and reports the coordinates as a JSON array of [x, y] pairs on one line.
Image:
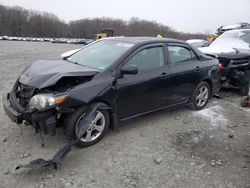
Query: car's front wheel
[[201, 96], [96, 130], [244, 87]]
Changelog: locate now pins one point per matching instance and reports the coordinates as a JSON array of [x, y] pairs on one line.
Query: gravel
[[177, 148], [4, 140], [158, 160], [72, 173]]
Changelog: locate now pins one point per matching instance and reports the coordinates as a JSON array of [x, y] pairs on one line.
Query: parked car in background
[[69, 53], [109, 81], [53, 40], [198, 42], [232, 48], [5, 38], [87, 41]]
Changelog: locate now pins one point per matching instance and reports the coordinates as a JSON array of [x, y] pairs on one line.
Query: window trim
[[139, 49]]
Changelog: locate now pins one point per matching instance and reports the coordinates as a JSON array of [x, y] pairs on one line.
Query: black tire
[[194, 104], [244, 101], [70, 124], [244, 88]]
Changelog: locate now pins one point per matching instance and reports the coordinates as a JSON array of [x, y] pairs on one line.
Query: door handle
[[197, 68], [163, 75]]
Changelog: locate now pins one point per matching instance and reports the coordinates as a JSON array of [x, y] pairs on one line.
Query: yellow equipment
[[158, 36], [211, 37], [104, 33]]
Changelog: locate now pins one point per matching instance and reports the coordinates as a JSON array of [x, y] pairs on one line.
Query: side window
[[179, 54], [149, 58]]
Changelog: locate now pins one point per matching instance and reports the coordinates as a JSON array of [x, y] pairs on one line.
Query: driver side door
[[145, 91]]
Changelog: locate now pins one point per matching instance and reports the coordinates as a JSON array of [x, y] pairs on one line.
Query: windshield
[[233, 39], [101, 54], [200, 44]]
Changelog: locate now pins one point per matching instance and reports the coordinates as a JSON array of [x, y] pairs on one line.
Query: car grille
[[240, 61], [23, 93]]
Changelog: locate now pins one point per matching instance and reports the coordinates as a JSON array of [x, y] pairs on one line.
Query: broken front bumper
[[13, 114], [42, 121]]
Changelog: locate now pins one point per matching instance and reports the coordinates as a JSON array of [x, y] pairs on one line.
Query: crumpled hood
[[216, 50], [44, 73], [226, 52], [229, 42]]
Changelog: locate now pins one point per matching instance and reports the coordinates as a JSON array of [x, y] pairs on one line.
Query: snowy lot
[[177, 148]]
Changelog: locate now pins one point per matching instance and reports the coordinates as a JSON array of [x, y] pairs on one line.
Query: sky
[[182, 15]]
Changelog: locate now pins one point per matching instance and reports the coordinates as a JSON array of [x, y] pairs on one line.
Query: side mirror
[[129, 69]]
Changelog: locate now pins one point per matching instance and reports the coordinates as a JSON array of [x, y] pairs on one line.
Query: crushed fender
[[62, 153]]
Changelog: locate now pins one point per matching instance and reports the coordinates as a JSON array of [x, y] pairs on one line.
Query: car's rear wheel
[[201, 96], [95, 131]]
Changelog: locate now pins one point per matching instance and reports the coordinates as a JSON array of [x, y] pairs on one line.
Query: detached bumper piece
[[55, 161], [61, 154]]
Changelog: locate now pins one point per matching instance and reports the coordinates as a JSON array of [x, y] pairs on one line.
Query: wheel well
[[110, 111], [210, 84]]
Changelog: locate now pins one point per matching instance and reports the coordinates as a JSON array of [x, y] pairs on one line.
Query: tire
[[201, 102], [244, 88], [244, 101], [71, 122]]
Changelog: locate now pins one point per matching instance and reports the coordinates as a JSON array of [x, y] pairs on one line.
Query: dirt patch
[[215, 147]]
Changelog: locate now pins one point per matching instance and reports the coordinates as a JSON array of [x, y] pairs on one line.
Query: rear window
[[179, 54]]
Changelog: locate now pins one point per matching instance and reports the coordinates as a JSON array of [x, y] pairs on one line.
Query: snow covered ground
[[213, 114]]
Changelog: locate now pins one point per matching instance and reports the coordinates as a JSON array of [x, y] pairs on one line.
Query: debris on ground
[[231, 136]]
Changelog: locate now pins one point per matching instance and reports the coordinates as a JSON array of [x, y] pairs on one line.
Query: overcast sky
[[182, 15]]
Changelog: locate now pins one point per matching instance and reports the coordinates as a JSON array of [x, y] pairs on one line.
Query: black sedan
[[109, 81]]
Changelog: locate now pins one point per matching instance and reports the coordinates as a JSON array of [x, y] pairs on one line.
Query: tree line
[[17, 21]]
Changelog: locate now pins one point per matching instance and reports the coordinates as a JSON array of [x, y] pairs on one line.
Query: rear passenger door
[[186, 71]]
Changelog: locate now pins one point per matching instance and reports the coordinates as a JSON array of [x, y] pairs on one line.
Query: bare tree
[[17, 21]]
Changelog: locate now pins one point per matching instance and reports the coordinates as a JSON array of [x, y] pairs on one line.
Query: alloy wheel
[[202, 96], [95, 128]]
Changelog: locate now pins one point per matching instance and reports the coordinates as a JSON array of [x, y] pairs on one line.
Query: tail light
[[220, 66]]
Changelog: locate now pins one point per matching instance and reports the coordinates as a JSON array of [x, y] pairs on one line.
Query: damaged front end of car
[[234, 72], [39, 97], [42, 98], [24, 104]]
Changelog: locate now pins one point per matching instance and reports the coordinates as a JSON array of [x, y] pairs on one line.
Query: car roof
[[140, 40], [137, 41], [195, 40]]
